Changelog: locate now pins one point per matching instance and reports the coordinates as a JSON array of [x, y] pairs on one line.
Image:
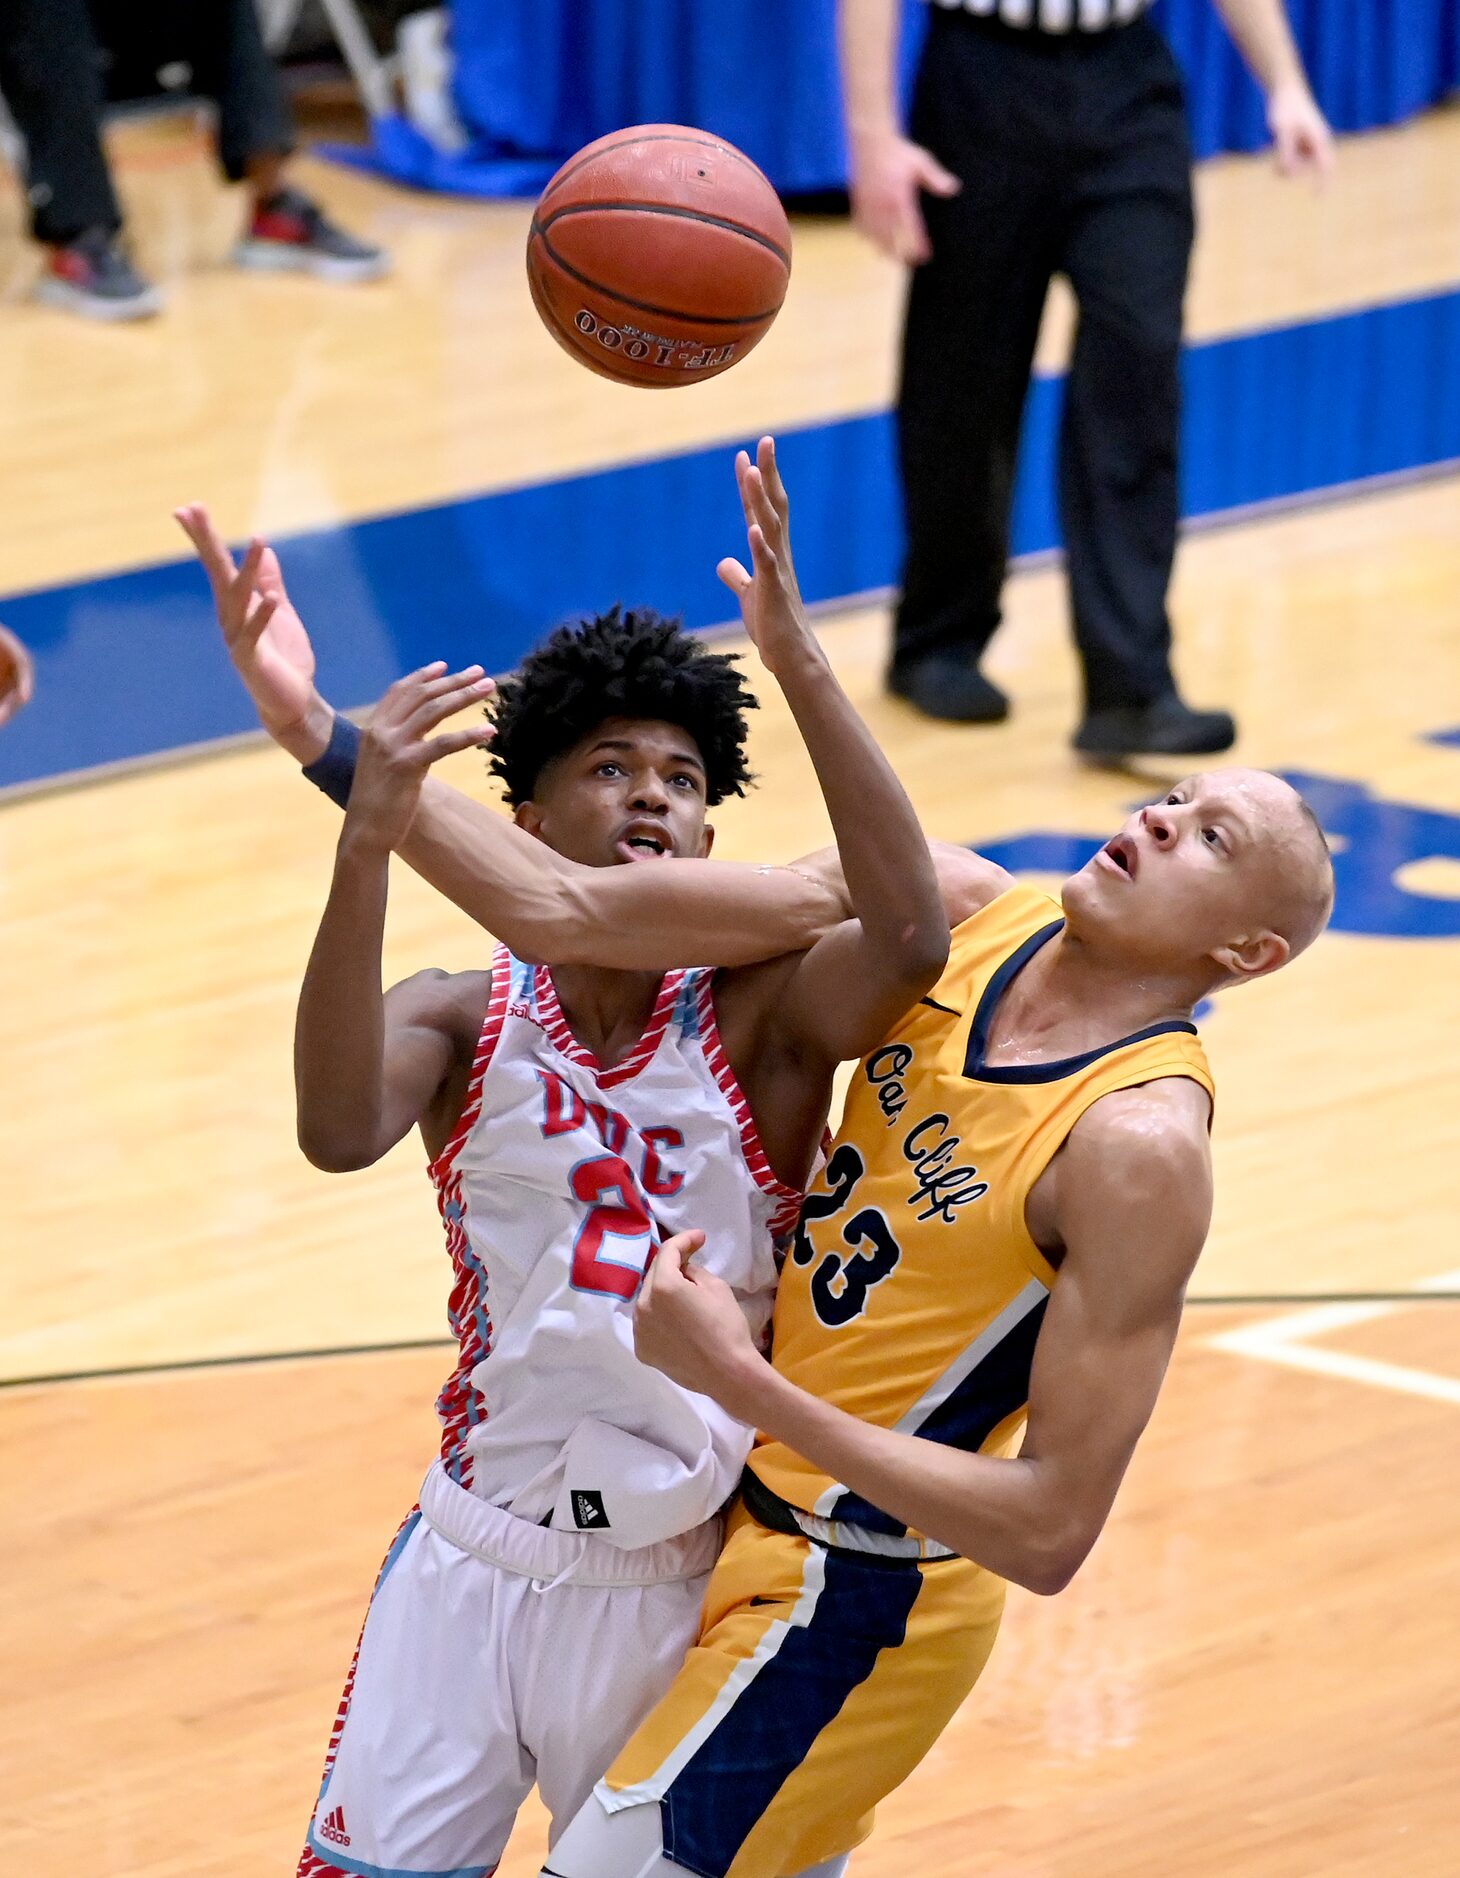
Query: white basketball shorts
[[494, 1654]]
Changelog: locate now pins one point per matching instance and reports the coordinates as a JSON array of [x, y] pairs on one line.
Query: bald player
[[999, 1243]]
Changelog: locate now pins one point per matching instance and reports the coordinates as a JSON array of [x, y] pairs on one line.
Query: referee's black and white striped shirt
[[1051, 16]]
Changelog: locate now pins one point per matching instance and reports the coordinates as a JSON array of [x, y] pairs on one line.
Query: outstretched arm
[[854, 984], [554, 910], [543, 906], [1133, 1225]]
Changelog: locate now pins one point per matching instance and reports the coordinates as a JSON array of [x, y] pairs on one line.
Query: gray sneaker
[[289, 233], [91, 276]]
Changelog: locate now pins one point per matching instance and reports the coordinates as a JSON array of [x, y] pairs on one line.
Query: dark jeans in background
[[1074, 157], [50, 75]]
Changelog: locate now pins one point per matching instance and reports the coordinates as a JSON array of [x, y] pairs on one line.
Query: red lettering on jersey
[[612, 1128], [564, 1110], [615, 1212], [659, 1180], [565, 1113]]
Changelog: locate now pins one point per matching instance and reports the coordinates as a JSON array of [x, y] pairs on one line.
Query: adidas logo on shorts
[[588, 1510], [333, 1828]]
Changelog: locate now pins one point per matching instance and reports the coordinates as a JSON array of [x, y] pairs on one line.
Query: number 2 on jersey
[[840, 1284], [616, 1213]]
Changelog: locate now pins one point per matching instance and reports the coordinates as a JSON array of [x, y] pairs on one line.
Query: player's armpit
[[845, 995], [357, 1098], [966, 880]]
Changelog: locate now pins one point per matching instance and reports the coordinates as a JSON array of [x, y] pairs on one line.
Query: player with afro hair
[[634, 664]]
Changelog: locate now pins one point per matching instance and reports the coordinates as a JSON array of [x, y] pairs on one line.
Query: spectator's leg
[[287, 230], [224, 44], [1127, 252], [49, 75], [972, 322]]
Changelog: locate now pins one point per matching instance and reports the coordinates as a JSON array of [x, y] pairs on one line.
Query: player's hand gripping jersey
[[556, 1186]]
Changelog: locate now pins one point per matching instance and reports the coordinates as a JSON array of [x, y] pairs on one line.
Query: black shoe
[[1165, 727], [92, 276], [943, 685]]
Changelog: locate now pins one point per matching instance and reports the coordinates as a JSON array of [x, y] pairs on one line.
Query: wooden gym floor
[[1256, 1673]]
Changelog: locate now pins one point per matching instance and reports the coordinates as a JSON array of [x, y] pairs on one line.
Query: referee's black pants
[[1074, 157], [50, 77]]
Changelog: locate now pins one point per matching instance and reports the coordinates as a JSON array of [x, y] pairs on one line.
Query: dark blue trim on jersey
[[714, 1803], [978, 1070], [993, 1391], [988, 1395]]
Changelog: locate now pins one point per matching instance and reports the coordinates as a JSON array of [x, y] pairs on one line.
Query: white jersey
[[558, 1181]]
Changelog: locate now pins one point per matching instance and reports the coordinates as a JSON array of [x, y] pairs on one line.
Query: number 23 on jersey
[[842, 1281]]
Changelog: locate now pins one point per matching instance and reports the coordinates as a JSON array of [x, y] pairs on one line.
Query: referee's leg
[[1127, 253], [972, 321]]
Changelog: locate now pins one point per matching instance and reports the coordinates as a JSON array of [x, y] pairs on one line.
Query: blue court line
[[129, 665]]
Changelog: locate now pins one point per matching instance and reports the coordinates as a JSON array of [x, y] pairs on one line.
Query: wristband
[[335, 770]]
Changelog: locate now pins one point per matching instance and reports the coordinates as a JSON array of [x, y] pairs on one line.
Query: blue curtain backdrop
[[537, 79]]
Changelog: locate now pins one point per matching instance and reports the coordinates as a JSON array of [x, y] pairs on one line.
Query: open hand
[[264, 635], [688, 1324], [770, 599], [17, 675], [398, 747]]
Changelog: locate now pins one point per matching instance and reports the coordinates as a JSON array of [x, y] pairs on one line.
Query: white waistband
[[847, 1537], [579, 1558]]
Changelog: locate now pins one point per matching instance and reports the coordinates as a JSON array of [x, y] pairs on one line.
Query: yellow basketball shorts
[[821, 1678]]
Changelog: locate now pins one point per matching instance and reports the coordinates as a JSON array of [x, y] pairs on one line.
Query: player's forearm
[[1261, 33], [553, 911], [652, 916], [868, 35], [996, 1512], [339, 1033], [890, 879], [306, 736]]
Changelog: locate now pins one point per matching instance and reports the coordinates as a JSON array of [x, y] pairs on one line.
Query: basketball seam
[[664, 208], [702, 143], [647, 306]]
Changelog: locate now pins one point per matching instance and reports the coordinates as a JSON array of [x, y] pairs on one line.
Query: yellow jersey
[[913, 1292]]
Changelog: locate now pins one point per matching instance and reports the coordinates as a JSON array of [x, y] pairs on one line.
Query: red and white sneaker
[[91, 276], [289, 233]]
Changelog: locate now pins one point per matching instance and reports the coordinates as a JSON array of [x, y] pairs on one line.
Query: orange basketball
[[659, 256]]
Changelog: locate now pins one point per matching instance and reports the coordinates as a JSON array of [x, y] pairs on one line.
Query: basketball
[[659, 256]]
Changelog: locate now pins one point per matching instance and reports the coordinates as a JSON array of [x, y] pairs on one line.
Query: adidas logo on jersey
[[588, 1509], [333, 1828]]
